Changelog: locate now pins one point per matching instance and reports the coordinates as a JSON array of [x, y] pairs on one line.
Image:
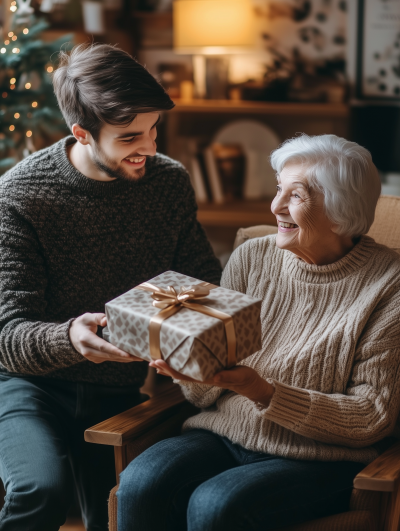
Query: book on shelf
[[197, 180], [204, 174], [216, 171], [226, 172], [202, 170], [213, 175]]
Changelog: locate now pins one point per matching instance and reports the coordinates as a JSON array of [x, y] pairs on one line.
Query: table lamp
[[212, 28]]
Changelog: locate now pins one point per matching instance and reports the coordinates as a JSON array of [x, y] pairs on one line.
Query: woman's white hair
[[343, 171]]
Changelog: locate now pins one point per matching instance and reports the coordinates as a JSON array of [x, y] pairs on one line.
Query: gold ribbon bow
[[171, 302]]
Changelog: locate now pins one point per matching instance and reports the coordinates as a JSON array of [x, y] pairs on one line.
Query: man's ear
[[81, 134]]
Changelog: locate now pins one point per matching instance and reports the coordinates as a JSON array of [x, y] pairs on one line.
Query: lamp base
[[199, 75], [211, 76], [217, 77]]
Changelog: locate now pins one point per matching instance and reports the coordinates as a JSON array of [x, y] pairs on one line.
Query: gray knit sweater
[[331, 347], [69, 244]]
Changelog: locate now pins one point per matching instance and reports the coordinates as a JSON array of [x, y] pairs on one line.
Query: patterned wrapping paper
[[190, 342]]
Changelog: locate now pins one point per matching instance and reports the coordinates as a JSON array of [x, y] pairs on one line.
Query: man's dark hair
[[98, 83]]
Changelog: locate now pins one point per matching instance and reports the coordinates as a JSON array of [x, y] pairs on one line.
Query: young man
[[80, 223]]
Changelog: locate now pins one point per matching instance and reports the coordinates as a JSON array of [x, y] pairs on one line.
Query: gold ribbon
[[170, 302]]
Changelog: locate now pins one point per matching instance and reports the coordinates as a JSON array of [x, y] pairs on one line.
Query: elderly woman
[[282, 435]]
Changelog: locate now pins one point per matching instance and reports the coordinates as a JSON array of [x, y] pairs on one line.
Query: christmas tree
[[29, 115]]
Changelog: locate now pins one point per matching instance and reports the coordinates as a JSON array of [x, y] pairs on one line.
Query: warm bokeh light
[[25, 31], [27, 86], [15, 50], [34, 104], [14, 38], [13, 8], [13, 3], [12, 87], [3, 50], [12, 127], [12, 80], [29, 133], [4, 95], [11, 34], [49, 69], [6, 42], [17, 115]]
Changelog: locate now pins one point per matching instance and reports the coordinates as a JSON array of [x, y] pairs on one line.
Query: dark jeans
[[43, 453], [202, 482]]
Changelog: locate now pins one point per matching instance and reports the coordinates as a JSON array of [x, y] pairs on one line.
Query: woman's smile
[[285, 226]]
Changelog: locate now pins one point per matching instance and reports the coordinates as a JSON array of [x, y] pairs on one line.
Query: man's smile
[[135, 162]]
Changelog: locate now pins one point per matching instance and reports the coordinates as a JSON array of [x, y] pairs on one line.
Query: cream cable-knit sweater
[[331, 347]]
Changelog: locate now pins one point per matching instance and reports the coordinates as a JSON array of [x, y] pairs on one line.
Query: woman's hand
[[240, 379]]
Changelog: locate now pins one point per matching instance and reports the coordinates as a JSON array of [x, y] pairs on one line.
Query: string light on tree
[[24, 68]]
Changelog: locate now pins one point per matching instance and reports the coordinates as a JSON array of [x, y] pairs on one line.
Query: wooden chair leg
[[390, 510], [121, 460]]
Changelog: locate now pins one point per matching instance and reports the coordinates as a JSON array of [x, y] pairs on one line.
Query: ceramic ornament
[[24, 11]]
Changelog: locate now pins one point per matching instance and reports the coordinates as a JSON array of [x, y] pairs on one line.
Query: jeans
[[200, 481], [43, 453]]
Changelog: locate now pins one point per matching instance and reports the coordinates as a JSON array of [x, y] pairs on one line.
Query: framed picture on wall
[[378, 57]]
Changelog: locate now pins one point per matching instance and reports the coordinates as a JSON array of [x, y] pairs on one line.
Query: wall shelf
[[260, 107]]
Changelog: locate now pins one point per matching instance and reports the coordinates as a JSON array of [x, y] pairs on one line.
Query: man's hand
[[82, 334], [240, 379]]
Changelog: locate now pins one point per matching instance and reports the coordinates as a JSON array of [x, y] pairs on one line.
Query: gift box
[[199, 329]]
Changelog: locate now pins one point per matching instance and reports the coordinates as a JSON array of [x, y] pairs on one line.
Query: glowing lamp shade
[[212, 26]]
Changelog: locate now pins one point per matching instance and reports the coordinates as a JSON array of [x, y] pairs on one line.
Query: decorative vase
[[93, 17]]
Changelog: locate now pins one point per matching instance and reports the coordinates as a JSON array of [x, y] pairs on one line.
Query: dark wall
[[377, 127]]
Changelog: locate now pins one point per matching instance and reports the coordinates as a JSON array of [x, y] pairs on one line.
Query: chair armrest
[[383, 473], [253, 232], [123, 428]]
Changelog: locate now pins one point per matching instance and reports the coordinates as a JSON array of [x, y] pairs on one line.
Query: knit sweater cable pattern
[[331, 348], [69, 244]]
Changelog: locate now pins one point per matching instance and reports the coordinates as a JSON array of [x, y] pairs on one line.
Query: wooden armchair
[[375, 500]]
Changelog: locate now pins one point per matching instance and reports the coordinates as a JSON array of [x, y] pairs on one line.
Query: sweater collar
[[353, 261], [77, 180]]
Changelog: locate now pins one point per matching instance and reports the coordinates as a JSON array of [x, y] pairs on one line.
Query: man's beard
[[109, 167]]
